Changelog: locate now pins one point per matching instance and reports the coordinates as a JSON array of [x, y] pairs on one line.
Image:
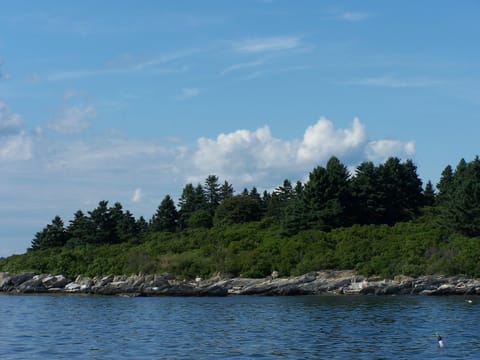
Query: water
[[238, 327]]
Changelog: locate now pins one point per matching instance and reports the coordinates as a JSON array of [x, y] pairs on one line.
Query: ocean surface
[[238, 327]]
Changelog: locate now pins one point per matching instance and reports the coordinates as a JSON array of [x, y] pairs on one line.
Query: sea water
[[239, 327]]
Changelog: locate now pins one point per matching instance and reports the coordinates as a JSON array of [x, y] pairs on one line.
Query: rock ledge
[[314, 283]]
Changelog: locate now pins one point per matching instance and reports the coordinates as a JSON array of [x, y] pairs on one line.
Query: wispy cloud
[[127, 63], [241, 66], [16, 147], [74, 117], [261, 45], [15, 143], [8, 119], [353, 16], [137, 195], [261, 73], [187, 93], [394, 82]]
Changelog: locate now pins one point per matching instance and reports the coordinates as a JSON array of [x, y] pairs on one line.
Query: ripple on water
[[310, 327]]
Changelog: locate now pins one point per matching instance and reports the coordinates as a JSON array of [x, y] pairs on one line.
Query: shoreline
[[314, 283]]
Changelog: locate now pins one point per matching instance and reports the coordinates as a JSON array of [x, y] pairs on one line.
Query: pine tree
[[53, 235], [80, 229], [461, 211], [445, 185], [368, 207], [103, 225], [429, 194], [212, 192], [166, 217], [226, 191]]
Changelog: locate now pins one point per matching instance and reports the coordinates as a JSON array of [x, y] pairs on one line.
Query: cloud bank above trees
[[245, 158]]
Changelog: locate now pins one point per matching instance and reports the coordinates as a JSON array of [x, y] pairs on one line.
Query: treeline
[[379, 220], [331, 198]]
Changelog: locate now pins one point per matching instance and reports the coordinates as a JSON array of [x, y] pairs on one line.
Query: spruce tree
[[166, 217]]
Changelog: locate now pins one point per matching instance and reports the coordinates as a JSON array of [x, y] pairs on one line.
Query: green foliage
[[372, 222], [236, 210], [461, 203]]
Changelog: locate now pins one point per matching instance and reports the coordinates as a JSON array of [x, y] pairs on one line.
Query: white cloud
[[15, 147], [15, 144], [137, 195], [256, 157], [73, 119], [260, 45], [322, 140], [244, 65], [380, 150], [394, 82], [8, 119]]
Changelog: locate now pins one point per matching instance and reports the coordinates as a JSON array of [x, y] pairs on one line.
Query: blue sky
[[130, 100]]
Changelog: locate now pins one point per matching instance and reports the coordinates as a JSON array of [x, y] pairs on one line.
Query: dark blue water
[[313, 327]]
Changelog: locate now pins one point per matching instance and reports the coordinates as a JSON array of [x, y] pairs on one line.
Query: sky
[[128, 101]]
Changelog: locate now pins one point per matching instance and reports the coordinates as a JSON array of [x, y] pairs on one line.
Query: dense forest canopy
[[380, 219]]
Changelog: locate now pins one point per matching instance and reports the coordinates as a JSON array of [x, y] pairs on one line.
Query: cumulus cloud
[[322, 140], [73, 119], [257, 157], [380, 150], [242, 152]]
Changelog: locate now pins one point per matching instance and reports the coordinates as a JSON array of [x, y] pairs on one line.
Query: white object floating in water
[[469, 301]]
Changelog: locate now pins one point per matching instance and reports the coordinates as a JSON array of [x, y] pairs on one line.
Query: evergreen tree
[[326, 196], [284, 192], [80, 229], [461, 212], [226, 191], [191, 200], [142, 226], [253, 194], [445, 185], [368, 206], [298, 189], [429, 194], [53, 235], [401, 190], [201, 218], [236, 210], [103, 225], [166, 217], [212, 192], [127, 227]]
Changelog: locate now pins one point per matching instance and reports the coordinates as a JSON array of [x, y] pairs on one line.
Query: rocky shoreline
[[314, 283]]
